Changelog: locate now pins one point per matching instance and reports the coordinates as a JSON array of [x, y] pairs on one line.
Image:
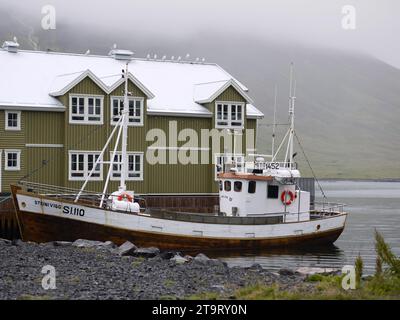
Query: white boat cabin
[[263, 189]]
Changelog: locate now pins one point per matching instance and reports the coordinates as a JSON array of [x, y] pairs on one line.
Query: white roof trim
[[100, 83], [178, 114], [32, 107], [253, 116], [252, 112], [43, 145], [230, 82], [136, 82], [78, 79]]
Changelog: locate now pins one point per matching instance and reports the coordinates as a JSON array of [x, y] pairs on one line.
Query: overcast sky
[[309, 22]]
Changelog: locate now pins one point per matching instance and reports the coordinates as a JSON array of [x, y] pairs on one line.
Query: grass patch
[[205, 296], [167, 297], [138, 261], [169, 283], [322, 288], [33, 297], [385, 284]]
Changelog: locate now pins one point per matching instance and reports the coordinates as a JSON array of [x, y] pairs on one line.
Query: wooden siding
[[45, 165], [43, 127]]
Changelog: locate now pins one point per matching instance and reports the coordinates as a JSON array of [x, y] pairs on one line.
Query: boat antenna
[[292, 98], [274, 124]]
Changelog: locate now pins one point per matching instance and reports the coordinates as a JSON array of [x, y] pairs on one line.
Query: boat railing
[[56, 191], [273, 165], [249, 166], [91, 198], [327, 208]]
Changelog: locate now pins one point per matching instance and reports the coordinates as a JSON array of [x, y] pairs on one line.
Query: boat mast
[[292, 98], [124, 124], [274, 124]]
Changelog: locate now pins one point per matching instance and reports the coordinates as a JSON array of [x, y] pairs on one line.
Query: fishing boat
[[260, 206]]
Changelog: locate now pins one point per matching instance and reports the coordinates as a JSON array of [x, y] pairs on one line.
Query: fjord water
[[371, 205]]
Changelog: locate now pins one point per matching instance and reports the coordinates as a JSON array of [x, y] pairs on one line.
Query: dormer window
[[135, 110], [86, 109], [229, 114]]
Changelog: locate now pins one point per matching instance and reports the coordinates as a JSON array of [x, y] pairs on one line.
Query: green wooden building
[[58, 109]]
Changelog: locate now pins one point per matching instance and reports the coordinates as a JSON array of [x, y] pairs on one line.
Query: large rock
[[201, 258], [286, 272], [256, 267], [217, 263], [126, 249], [82, 243], [17, 242], [313, 270], [167, 255], [4, 241], [62, 243], [178, 259], [146, 252], [108, 245]]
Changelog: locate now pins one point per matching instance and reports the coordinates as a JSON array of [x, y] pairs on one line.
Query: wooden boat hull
[[42, 228], [46, 224]]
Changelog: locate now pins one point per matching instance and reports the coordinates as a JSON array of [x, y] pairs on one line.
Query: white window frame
[[230, 119], [86, 114], [86, 170], [18, 127], [140, 178], [132, 124], [8, 168], [239, 158]]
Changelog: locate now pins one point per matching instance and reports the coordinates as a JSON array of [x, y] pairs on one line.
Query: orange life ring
[[284, 198], [126, 196]]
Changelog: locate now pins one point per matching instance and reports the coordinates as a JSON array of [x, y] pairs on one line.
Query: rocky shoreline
[[101, 270]]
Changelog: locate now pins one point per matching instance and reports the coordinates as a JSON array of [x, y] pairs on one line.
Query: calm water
[[370, 204]]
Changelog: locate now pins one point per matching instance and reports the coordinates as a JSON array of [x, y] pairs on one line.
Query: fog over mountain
[[348, 101]]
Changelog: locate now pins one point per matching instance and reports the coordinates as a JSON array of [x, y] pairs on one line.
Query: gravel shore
[[94, 270]]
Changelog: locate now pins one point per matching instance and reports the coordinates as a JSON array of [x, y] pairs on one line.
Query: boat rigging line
[[309, 164]]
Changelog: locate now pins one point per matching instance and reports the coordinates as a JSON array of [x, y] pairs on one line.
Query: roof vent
[[11, 46], [120, 54]]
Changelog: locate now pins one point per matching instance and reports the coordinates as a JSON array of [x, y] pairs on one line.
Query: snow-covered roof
[[208, 92], [252, 111], [63, 83], [34, 78]]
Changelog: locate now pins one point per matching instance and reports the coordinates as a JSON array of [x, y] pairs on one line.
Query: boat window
[[220, 186], [237, 186], [227, 186], [273, 192], [252, 187]]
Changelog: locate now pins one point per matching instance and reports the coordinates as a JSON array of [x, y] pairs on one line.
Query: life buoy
[[285, 199], [126, 196]]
